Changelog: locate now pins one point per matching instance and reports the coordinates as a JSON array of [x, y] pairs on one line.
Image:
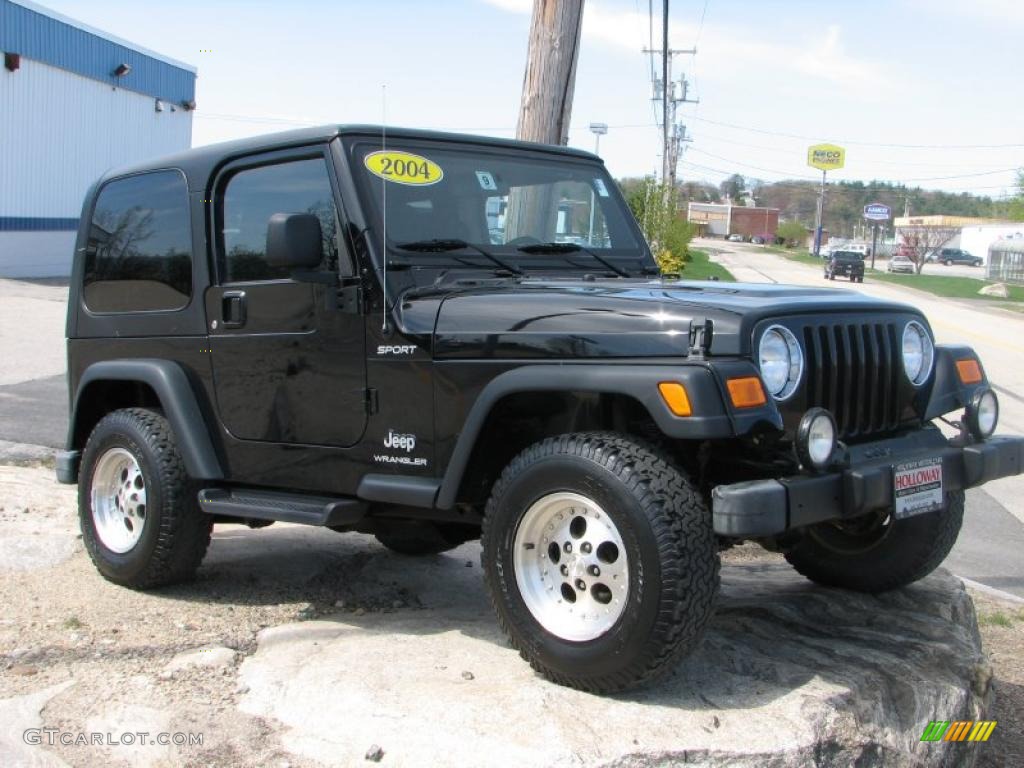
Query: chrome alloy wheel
[[118, 500], [571, 566]]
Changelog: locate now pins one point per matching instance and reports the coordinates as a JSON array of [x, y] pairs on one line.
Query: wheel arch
[[619, 391], [111, 384]]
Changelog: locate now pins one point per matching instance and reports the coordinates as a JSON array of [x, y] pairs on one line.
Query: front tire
[[139, 514], [600, 560], [875, 553]]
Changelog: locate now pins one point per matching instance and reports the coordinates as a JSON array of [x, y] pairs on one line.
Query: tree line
[[797, 199]]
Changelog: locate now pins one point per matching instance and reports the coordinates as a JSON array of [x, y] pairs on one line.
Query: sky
[[924, 92]]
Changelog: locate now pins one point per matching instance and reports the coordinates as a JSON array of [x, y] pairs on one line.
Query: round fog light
[[982, 414], [816, 438]]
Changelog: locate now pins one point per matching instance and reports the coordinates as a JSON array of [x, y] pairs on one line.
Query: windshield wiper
[[572, 248], [442, 244]]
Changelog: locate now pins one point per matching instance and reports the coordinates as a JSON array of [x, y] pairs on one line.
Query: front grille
[[853, 370]]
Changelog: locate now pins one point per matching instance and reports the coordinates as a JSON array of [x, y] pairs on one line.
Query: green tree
[[733, 188], [656, 210], [1015, 208], [791, 232]]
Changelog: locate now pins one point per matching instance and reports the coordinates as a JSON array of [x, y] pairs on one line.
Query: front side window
[[139, 252], [499, 200], [252, 196]]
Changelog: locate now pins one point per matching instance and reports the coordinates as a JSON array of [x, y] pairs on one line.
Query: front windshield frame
[[636, 258]]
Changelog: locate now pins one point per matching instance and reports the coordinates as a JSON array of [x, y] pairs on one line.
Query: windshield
[[498, 200]]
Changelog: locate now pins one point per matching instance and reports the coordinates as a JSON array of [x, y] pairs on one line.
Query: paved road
[[992, 542]]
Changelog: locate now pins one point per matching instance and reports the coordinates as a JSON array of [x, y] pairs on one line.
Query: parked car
[[735, 238], [757, 240], [845, 264], [604, 430], [951, 256], [900, 263]]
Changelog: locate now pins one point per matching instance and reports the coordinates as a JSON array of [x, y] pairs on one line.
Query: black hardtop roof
[[197, 163]]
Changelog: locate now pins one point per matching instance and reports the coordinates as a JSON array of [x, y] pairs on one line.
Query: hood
[[628, 318]]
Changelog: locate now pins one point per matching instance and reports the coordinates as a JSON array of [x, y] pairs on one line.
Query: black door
[[288, 358]]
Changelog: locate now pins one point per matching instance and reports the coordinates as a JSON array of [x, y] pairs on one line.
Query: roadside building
[[969, 233], [724, 219], [1006, 261], [74, 102], [978, 239]]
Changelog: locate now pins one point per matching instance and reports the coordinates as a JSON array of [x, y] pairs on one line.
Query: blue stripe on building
[[37, 224], [50, 41]]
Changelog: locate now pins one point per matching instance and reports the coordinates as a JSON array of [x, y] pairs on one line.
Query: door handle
[[232, 308]]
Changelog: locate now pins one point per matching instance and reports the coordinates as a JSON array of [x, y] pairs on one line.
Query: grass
[[937, 285], [73, 622], [999, 619], [797, 254], [949, 287], [701, 267]]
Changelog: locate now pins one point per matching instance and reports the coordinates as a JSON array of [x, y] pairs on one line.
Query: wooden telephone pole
[[550, 71]]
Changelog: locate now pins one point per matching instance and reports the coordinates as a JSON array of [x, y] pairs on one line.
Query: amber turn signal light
[[969, 371], [675, 397], [746, 392]]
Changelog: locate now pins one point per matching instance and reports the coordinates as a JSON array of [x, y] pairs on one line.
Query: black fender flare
[[178, 400], [948, 393], [710, 419]]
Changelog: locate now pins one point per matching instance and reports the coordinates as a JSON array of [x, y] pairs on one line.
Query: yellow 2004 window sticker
[[403, 167]]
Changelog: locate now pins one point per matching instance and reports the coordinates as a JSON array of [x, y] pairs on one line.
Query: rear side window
[[252, 196], [139, 252]]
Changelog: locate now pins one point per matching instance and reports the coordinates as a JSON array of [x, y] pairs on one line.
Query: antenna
[[384, 199]]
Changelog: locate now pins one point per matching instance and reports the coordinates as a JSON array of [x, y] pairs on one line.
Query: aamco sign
[[877, 212], [826, 157]]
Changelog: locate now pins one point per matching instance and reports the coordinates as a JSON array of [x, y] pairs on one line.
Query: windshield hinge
[[700, 336]]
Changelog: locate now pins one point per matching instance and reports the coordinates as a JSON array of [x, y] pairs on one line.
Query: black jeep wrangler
[[435, 338], [845, 264]]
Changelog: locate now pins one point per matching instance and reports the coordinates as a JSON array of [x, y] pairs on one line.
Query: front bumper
[[769, 507]]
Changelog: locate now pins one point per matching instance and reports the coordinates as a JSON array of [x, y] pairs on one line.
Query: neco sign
[[826, 157]]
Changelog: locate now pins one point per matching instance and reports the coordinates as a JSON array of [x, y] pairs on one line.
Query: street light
[[599, 130]]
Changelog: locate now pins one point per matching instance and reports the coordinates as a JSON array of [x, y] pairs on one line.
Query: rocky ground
[[301, 647]]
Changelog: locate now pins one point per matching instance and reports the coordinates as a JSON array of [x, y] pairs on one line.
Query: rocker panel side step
[[281, 507]]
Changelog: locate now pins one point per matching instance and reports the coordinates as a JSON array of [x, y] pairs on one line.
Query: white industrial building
[[74, 102], [978, 239]]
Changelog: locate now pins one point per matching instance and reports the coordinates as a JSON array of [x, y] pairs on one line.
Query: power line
[[853, 142], [842, 186], [805, 176]]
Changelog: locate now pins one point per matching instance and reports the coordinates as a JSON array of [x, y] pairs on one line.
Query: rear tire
[[600, 560], [874, 553], [138, 509]]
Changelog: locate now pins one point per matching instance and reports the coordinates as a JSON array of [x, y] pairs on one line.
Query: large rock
[[999, 290], [789, 674]]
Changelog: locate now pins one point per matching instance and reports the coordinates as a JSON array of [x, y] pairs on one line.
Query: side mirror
[[294, 240]]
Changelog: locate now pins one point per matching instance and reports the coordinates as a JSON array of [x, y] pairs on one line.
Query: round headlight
[[816, 438], [918, 353], [781, 361], [982, 414]]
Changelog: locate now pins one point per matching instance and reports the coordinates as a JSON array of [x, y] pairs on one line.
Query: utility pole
[[550, 75], [546, 106], [673, 134], [665, 158]]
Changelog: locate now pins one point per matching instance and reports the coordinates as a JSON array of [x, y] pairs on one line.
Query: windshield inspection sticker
[[403, 167], [486, 180], [602, 190]]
